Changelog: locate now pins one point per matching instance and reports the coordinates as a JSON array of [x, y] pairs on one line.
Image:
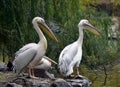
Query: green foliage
[[17, 29]]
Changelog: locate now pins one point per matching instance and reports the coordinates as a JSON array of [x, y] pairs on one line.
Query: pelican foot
[[33, 77], [78, 77], [69, 77]]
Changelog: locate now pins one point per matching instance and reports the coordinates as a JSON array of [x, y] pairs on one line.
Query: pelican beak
[[49, 59], [47, 30], [92, 29]]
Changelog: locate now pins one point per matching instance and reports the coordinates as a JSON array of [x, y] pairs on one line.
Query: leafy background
[[62, 16]]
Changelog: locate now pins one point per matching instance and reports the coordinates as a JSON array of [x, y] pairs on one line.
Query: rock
[[60, 83], [43, 74], [79, 81], [32, 82], [13, 85], [3, 66], [40, 83], [2, 84], [23, 81]]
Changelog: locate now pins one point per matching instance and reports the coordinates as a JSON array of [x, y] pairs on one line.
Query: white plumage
[[30, 54], [45, 63], [71, 55]]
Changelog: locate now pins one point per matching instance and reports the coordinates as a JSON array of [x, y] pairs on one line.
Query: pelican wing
[[66, 57], [24, 56], [27, 46], [43, 64]]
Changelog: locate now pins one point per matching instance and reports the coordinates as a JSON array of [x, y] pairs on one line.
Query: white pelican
[[71, 55], [45, 63], [30, 54]]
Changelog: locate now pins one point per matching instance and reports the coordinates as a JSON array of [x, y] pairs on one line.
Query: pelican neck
[[80, 39], [41, 35]]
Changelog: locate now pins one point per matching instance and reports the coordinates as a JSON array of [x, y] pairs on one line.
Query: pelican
[[45, 63], [71, 55], [30, 54]]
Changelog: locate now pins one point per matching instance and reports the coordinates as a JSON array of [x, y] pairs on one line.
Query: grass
[[99, 79]]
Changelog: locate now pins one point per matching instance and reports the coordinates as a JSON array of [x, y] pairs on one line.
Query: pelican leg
[[78, 71], [29, 72], [33, 74]]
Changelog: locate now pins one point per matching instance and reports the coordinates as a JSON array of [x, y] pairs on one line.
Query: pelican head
[[43, 26], [86, 25]]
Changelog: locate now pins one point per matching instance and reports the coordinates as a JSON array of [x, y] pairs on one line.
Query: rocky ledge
[[47, 81]]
